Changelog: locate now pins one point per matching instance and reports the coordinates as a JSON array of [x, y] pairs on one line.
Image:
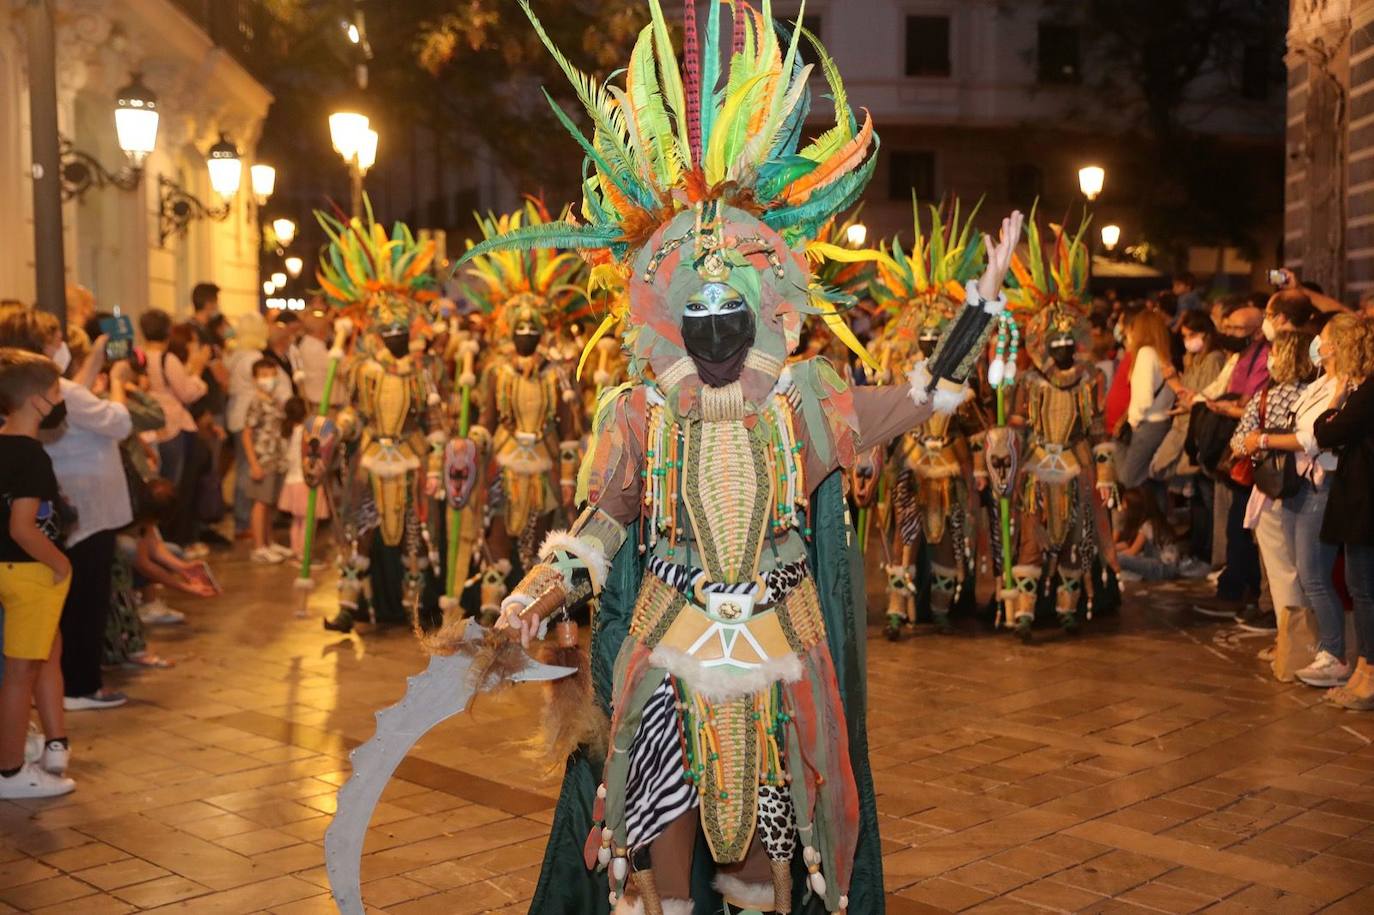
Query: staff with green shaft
[[465, 378], [342, 328]]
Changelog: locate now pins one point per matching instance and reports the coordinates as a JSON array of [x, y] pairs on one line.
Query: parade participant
[[392, 425], [712, 507], [528, 417], [931, 471], [1061, 528]]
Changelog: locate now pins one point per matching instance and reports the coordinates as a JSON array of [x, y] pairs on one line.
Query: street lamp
[[268, 287], [136, 120], [1090, 180], [1111, 235], [285, 230], [356, 143], [279, 279], [264, 181], [226, 168], [856, 235], [294, 265]]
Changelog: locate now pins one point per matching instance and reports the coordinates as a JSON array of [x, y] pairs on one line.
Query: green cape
[[566, 887]]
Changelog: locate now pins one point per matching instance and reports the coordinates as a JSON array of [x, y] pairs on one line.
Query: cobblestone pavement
[[1147, 765]]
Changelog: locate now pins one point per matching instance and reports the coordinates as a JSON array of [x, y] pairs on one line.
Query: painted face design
[[716, 323]]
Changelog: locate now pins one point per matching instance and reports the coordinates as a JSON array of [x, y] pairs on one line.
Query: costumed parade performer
[[727, 645], [1062, 477], [391, 431], [928, 487], [529, 415]]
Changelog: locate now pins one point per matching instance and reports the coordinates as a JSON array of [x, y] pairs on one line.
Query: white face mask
[[1314, 351], [63, 356], [1193, 344], [1268, 329], [266, 385]]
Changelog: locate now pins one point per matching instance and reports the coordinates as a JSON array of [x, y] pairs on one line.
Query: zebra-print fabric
[[657, 791], [778, 582]]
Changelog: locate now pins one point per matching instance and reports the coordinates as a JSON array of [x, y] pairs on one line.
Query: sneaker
[[1253, 619], [1193, 569], [1214, 576], [100, 700], [196, 550], [1327, 670], [1218, 609], [56, 756], [281, 550], [1125, 576], [33, 781], [265, 555], [33, 744], [156, 613]]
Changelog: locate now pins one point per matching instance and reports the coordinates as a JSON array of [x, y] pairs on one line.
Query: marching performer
[[714, 532]]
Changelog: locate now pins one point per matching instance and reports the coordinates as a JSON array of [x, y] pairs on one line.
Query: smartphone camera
[[1278, 278]]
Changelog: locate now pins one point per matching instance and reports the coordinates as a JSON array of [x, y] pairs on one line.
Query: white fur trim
[[343, 326], [947, 401], [388, 467], [520, 463], [432, 399], [336, 354], [595, 561], [601, 378], [467, 380], [303, 584], [436, 437], [754, 895], [974, 298], [918, 378], [628, 907], [1025, 572], [470, 346], [718, 684], [448, 603], [677, 907]]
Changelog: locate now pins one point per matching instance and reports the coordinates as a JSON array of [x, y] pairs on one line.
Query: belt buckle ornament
[[730, 609]]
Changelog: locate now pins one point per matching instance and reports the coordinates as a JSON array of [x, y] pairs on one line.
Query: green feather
[[833, 199], [776, 174], [710, 74], [828, 143], [673, 92], [545, 235], [602, 165], [652, 116]]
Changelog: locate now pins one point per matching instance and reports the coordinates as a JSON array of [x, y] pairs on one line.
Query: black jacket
[[1349, 432]]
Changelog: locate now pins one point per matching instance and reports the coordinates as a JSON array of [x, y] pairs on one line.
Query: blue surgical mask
[[1314, 351]]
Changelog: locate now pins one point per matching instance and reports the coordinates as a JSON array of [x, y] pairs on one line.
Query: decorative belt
[[767, 589]]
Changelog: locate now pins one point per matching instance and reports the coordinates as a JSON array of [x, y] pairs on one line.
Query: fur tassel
[[571, 716], [753, 895], [495, 658]]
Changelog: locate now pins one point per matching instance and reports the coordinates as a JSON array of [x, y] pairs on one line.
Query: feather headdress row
[[1049, 287], [375, 275], [666, 141], [541, 279]]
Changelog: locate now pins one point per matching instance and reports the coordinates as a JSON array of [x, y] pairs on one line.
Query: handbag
[[1275, 474], [1125, 431], [1209, 437]]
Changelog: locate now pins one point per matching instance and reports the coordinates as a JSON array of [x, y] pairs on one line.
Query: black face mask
[[55, 416], [928, 345], [1063, 356], [715, 338], [526, 344], [397, 344], [1233, 344]]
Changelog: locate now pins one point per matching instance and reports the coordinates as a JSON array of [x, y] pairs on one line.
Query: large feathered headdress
[[675, 136], [1051, 285], [384, 279], [537, 280]]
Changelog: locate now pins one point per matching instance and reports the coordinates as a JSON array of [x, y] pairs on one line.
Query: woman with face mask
[[1347, 429], [1147, 342], [1274, 412], [82, 439], [1336, 353]]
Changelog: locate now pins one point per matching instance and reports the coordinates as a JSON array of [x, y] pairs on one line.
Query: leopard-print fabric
[[777, 823]]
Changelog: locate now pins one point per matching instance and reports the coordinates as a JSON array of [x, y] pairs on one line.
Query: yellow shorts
[[32, 606]]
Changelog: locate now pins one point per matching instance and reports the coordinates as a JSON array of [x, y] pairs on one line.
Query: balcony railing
[[240, 27]]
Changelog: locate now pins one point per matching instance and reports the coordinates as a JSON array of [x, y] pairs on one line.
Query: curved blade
[[442, 691]]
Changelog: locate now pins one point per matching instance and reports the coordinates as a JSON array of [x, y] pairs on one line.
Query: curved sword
[[444, 689]]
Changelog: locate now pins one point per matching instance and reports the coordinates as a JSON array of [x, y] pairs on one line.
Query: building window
[[1058, 54], [1025, 184], [927, 46], [909, 172], [1257, 70]]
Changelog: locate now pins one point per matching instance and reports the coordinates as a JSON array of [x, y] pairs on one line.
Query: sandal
[[149, 661]]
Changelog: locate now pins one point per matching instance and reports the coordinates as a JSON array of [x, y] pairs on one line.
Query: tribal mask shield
[[460, 471], [318, 440]]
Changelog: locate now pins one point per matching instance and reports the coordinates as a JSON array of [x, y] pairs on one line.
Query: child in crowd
[[264, 446], [34, 578], [295, 494], [1145, 545]]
